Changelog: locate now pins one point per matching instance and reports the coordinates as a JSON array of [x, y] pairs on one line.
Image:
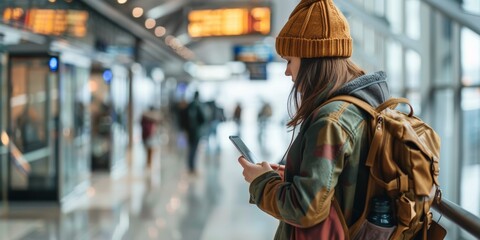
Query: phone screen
[[240, 145]]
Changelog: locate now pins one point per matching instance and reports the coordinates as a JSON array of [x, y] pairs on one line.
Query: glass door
[[119, 94], [75, 126], [32, 125]]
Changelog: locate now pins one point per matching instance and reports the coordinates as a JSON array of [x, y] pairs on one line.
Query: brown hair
[[317, 80]]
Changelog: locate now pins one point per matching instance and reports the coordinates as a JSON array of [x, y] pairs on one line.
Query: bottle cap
[[380, 205]]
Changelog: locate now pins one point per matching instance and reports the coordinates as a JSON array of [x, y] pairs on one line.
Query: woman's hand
[[252, 171], [280, 169]]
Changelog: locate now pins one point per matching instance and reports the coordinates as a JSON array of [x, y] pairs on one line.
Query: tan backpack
[[404, 165]]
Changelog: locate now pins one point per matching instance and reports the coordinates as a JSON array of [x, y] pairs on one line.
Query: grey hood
[[371, 88]]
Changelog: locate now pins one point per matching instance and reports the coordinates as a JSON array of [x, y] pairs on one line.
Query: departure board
[[229, 22], [49, 21]]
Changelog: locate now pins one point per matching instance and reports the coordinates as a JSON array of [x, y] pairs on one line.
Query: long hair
[[317, 80]]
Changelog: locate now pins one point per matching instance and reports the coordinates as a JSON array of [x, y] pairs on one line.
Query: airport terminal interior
[[83, 81]]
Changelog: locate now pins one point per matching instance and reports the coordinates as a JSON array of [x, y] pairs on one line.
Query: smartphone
[[243, 149]]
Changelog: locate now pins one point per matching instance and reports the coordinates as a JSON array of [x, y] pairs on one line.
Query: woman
[[325, 160]]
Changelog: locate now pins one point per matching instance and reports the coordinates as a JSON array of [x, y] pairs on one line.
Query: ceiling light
[[169, 39], [150, 23], [121, 1], [160, 31], [137, 12]]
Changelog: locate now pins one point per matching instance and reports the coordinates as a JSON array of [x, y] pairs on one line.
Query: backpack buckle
[[438, 196], [435, 166], [403, 183]]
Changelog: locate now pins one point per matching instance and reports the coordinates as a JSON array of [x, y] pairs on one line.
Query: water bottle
[[380, 212]]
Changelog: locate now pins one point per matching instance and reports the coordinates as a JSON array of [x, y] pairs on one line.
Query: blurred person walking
[[215, 117], [237, 118], [149, 122], [263, 117], [325, 160]]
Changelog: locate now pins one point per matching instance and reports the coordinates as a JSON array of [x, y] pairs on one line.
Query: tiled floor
[[165, 203]]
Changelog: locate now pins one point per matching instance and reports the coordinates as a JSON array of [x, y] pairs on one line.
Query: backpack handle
[[392, 103]]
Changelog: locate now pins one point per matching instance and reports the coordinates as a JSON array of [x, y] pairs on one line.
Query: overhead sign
[[229, 22], [49, 21], [253, 53]]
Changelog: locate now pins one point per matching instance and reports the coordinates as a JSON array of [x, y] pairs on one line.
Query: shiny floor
[[163, 202]]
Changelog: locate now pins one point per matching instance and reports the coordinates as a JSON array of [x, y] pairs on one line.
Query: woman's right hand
[[252, 171]]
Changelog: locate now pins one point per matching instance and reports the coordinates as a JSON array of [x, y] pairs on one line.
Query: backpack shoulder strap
[[390, 103], [358, 102]]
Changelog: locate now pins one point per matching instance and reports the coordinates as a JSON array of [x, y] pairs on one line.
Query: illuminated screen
[[229, 22], [49, 21]]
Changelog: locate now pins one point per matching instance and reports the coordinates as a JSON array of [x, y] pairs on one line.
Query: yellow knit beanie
[[315, 28]]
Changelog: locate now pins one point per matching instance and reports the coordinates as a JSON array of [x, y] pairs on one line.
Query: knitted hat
[[315, 28]]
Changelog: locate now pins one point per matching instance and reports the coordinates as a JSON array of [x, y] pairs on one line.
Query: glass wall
[[75, 127], [3, 114], [470, 169], [119, 89], [470, 108], [413, 66], [470, 58]]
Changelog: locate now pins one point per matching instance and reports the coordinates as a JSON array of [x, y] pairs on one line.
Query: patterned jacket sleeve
[[305, 201]]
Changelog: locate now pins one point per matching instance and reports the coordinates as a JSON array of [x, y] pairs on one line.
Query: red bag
[[148, 128], [332, 228]]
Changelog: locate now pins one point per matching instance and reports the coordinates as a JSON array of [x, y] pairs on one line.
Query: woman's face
[[293, 65]]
